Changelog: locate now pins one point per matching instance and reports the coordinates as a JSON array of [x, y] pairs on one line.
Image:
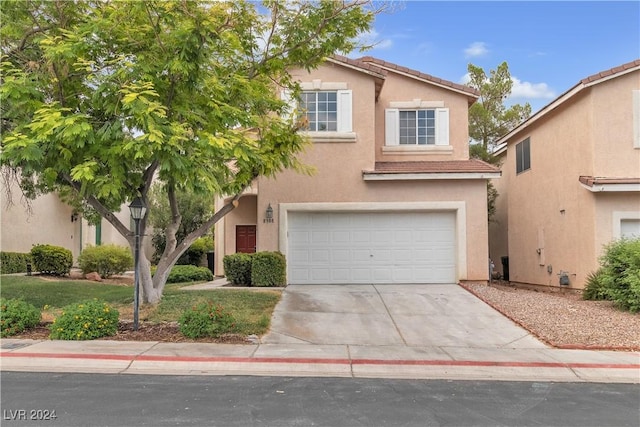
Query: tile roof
[[590, 181], [446, 166], [573, 91], [394, 67], [610, 72], [358, 64]]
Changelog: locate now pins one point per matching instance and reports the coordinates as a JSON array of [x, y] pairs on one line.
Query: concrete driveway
[[392, 315]]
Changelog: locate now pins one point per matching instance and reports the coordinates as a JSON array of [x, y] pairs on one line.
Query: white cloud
[[465, 79], [372, 38], [530, 90], [476, 49]]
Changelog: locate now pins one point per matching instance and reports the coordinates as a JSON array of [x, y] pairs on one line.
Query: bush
[[237, 268], [189, 273], [16, 315], [49, 259], [106, 260], [196, 251], [618, 279], [86, 320], [14, 262], [595, 288], [206, 320], [268, 269]]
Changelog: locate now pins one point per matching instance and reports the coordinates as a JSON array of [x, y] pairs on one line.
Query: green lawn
[[251, 309]]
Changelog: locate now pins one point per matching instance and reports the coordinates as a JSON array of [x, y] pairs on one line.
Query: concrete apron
[[434, 316]]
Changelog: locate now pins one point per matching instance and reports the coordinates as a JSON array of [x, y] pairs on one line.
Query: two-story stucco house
[[570, 181], [394, 198]]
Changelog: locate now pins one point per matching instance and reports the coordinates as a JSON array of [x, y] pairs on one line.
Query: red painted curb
[[300, 360]]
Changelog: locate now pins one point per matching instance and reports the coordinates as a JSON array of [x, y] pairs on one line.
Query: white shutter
[[442, 126], [392, 126], [344, 111], [286, 96]]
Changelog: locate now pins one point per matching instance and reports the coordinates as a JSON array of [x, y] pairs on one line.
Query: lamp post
[[138, 210]]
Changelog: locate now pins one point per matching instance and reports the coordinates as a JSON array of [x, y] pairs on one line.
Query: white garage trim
[[458, 207]]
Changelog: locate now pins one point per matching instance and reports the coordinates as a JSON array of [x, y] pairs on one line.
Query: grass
[[251, 309]]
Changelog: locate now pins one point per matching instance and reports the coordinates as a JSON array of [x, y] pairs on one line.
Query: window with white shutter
[[416, 127]]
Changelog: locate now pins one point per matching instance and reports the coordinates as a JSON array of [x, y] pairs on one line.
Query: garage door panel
[[372, 247]]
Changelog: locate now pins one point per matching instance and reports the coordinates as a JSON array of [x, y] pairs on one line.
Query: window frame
[[523, 156], [441, 128]]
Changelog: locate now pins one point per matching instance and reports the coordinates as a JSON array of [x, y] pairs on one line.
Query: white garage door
[[380, 247]]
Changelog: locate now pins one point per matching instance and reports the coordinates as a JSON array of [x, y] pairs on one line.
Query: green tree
[[489, 118], [103, 98], [195, 210]]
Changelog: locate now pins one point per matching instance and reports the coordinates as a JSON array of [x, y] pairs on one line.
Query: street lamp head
[[138, 208]]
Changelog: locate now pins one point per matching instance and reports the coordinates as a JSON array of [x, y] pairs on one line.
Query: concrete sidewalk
[[455, 363]]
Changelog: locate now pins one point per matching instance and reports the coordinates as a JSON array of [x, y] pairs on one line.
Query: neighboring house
[[48, 220], [570, 181], [394, 197]]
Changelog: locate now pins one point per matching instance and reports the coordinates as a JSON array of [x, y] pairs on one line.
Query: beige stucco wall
[[398, 88], [499, 226], [338, 170], [549, 211], [49, 222]]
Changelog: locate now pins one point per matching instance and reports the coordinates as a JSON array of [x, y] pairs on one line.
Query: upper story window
[[523, 156], [326, 110], [320, 110], [417, 127]]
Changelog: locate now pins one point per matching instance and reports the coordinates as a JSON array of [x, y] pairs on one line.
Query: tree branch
[[101, 209]]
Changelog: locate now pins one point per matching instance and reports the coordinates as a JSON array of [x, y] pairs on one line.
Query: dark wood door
[[246, 238]]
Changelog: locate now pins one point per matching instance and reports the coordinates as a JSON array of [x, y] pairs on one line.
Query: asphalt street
[[33, 399]]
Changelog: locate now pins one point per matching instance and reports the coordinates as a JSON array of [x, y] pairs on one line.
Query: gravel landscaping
[[564, 319]]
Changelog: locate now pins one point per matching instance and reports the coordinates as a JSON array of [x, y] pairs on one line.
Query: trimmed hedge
[[106, 260], [268, 269], [54, 260], [14, 262], [258, 269], [189, 273], [237, 268]]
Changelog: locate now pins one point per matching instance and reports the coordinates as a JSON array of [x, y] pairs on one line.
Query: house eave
[[377, 176], [602, 188]]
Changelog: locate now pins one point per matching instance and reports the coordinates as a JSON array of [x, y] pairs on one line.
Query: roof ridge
[[399, 68]]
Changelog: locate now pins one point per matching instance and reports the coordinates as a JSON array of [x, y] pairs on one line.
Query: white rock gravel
[[564, 319]]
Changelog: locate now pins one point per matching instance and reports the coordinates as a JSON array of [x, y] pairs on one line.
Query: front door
[[246, 238]]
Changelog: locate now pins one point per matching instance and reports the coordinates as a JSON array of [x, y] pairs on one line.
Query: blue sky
[[549, 46]]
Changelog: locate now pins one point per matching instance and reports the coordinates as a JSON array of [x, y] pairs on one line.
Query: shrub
[[206, 320], [16, 315], [106, 260], [268, 269], [619, 275], [49, 259], [189, 273], [237, 268], [595, 287], [14, 262], [196, 251], [86, 320]]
